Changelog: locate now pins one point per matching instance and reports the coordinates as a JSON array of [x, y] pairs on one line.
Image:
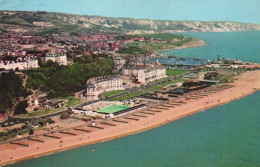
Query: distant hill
[[69, 23]]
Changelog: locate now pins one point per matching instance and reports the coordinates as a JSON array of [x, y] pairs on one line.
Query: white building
[[149, 75], [213, 65], [99, 85], [146, 75], [20, 65], [32, 63], [119, 60], [55, 57], [234, 66], [27, 46]]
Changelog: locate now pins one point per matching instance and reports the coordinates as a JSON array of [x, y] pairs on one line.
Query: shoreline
[[194, 43], [143, 124]]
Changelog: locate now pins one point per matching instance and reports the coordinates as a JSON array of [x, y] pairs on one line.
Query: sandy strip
[[247, 83]]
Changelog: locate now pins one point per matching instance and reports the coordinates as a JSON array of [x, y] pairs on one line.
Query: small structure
[[64, 115], [178, 84], [178, 91], [119, 60], [51, 104], [213, 65], [190, 76], [209, 82]]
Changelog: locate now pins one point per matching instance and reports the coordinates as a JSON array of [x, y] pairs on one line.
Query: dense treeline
[[63, 80], [11, 89]]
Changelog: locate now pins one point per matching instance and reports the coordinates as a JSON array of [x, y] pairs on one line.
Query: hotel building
[[145, 75], [21, 64], [98, 85], [61, 59]]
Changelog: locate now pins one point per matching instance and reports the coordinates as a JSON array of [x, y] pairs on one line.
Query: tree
[[31, 132], [51, 63], [64, 80], [21, 108], [41, 63], [11, 89]]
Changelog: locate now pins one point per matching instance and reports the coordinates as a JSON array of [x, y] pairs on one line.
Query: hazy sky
[[204, 10]]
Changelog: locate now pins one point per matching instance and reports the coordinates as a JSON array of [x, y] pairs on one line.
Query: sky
[[247, 11]]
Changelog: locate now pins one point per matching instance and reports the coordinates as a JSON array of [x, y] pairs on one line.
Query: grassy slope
[[164, 41], [70, 23], [138, 93], [106, 94], [41, 112]]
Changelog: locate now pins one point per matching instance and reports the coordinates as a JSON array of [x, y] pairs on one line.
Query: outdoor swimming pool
[[113, 108]]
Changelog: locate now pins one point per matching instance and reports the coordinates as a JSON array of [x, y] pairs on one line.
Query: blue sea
[[223, 136], [244, 46]]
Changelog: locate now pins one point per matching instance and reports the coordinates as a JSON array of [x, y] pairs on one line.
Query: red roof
[[2, 117]]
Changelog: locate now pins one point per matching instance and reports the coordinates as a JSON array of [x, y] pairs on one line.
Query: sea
[[223, 136], [244, 46]]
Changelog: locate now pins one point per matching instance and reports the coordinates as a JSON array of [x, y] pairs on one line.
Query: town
[[129, 83]]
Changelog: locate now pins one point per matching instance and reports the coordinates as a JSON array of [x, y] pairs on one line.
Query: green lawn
[[164, 84], [12, 133], [165, 41], [164, 36], [41, 112], [160, 80], [106, 94], [138, 93], [142, 47], [173, 72], [72, 101]]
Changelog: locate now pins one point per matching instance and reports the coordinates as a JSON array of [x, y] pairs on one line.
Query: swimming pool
[[112, 109]]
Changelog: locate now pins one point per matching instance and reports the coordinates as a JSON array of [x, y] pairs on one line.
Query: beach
[[245, 84]]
